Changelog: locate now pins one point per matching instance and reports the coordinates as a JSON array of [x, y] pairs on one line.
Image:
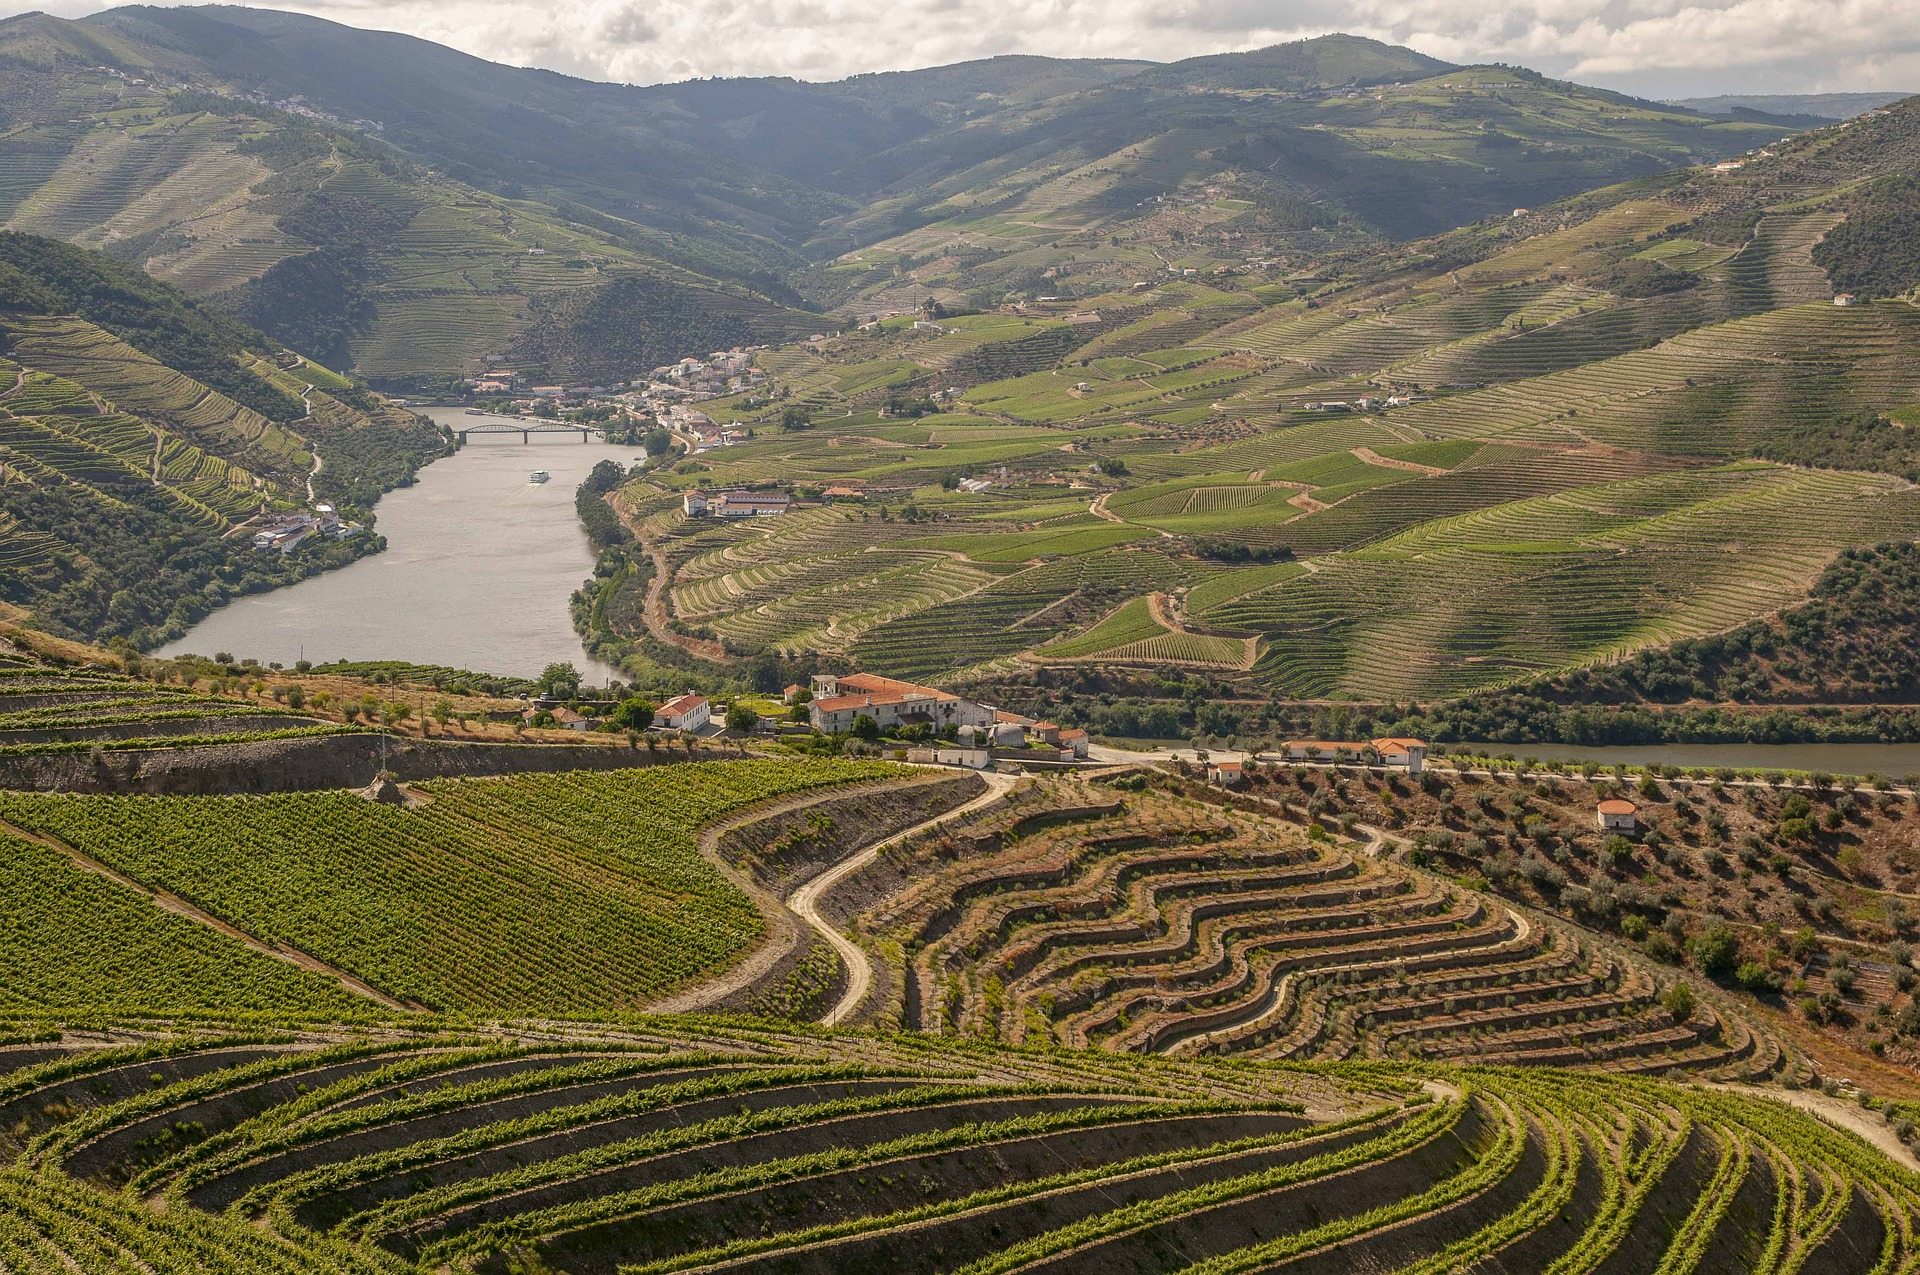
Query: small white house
[[1225, 774], [1074, 741], [684, 712], [1617, 815]]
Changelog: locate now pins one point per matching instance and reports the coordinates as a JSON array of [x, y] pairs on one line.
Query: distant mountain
[[318, 230], [1825, 107], [1331, 61], [142, 433], [384, 203]]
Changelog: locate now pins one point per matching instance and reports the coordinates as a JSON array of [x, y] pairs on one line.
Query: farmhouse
[[837, 701], [684, 712], [749, 504], [735, 504], [1845, 298], [1225, 774], [1075, 742], [1617, 815], [1407, 754]]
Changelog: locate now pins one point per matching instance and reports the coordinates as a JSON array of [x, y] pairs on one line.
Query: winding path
[[782, 931], [805, 902]]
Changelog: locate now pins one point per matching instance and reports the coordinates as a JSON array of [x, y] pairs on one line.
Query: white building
[[684, 712], [1617, 815], [839, 701], [951, 755]]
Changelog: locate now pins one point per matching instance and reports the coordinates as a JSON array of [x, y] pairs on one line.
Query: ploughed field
[[689, 1144], [1145, 922]]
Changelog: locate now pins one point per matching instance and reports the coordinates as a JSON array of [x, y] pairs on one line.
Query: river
[[1895, 760], [477, 572]]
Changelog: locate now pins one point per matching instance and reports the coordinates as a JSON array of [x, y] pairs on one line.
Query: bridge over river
[[528, 428]]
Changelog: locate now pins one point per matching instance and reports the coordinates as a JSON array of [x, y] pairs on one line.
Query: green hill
[[690, 1144], [395, 207], [141, 432], [331, 241], [1544, 440]]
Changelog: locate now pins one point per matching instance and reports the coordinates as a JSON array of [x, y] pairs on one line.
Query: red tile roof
[[680, 705], [1616, 806]]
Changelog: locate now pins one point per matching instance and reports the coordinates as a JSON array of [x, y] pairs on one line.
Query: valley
[[1300, 658]]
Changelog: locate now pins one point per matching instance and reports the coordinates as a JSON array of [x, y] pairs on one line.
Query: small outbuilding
[[1617, 815], [1225, 774]]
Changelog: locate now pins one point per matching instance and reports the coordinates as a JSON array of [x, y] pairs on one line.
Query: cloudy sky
[[1660, 48]]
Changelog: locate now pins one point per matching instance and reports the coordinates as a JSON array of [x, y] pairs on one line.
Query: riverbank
[[479, 567]]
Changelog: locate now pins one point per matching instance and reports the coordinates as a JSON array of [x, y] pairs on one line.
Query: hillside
[[1542, 441], [328, 239], [712, 1145], [403, 210], [318, 1033], [1826, 107], [143, 435], [531, 870]]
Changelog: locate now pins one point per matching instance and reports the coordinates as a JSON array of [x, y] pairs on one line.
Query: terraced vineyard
[[1531, 460], [46, 710], [681, 1145], [1164, 926], [530, 870], [128, 482]]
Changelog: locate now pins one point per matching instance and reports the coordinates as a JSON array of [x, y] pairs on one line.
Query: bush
[[1715, 951], [1679, 1002]]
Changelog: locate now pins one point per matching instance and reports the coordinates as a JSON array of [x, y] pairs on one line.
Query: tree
[[634, 713], [443, 711], [1715, 950], [865, 727], [559, 681], [657, 442], [795, 418], [1679, 1002], [741, 719]]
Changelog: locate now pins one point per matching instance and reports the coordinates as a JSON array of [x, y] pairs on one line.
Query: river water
[[477, 572], [1896, 760]]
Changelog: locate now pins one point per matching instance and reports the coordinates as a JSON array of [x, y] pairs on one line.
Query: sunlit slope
[[728, 1146]]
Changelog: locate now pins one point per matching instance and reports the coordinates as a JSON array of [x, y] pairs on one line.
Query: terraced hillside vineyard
[[145, 438], [1156, 925], [531, 871], [716, 1146], [1639, 416]]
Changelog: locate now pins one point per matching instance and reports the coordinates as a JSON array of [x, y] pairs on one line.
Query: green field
[[537, 894], [713, 1145], [1400, 481]]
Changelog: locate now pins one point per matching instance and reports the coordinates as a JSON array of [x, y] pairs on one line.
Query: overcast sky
[[1659, 48]]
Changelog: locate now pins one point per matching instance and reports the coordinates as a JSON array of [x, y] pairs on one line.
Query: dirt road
[[805, 902]]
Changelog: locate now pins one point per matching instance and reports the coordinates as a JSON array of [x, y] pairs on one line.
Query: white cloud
[[1658, 47]]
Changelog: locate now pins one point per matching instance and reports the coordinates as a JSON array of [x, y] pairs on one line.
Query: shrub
[[1715, 951]]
